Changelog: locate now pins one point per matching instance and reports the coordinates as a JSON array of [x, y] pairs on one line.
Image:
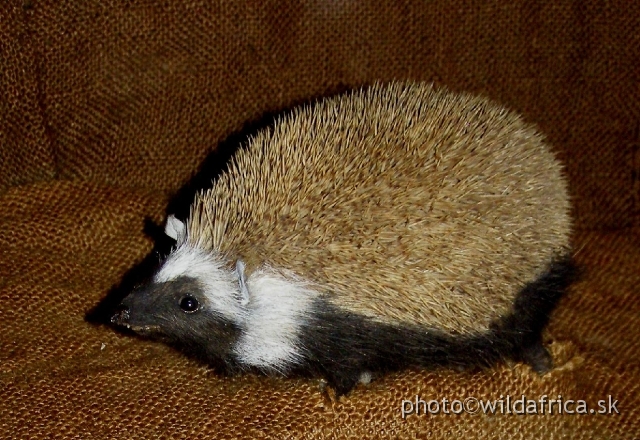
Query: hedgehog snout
[[121, 315]]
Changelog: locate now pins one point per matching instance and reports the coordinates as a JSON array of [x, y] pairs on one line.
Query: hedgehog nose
[[121, 316]]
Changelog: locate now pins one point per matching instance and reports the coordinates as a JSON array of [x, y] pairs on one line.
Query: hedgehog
[[394, 226]]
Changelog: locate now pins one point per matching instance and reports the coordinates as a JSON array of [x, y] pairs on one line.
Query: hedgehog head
[[194, 298]]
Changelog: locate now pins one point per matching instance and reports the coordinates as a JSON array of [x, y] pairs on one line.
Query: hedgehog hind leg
[[532, 310]]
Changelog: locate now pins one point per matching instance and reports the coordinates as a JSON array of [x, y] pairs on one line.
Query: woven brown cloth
[[107, 108]]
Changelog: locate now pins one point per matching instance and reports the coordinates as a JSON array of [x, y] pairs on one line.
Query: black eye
[[189, 304]]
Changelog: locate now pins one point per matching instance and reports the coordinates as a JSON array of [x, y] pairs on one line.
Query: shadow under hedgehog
[[396, 225]]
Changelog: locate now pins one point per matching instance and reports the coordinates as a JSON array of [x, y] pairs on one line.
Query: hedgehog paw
[[538, 357]]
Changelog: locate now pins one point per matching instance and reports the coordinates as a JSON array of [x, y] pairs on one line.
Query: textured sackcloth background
[[107, 107]]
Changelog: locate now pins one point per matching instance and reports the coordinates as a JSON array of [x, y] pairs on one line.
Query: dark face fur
[[177, 312]]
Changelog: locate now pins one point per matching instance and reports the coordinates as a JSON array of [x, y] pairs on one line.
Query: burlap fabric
[[108, 107]]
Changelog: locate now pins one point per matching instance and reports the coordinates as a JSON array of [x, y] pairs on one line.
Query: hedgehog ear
[[242, 281], [176, 229]]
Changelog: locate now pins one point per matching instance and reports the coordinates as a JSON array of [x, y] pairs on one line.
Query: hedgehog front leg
[[342, 381], [538, 357]]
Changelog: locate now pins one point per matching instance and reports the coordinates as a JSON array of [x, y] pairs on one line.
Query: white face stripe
[[220, 285], [270, 309], [278, 307]]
